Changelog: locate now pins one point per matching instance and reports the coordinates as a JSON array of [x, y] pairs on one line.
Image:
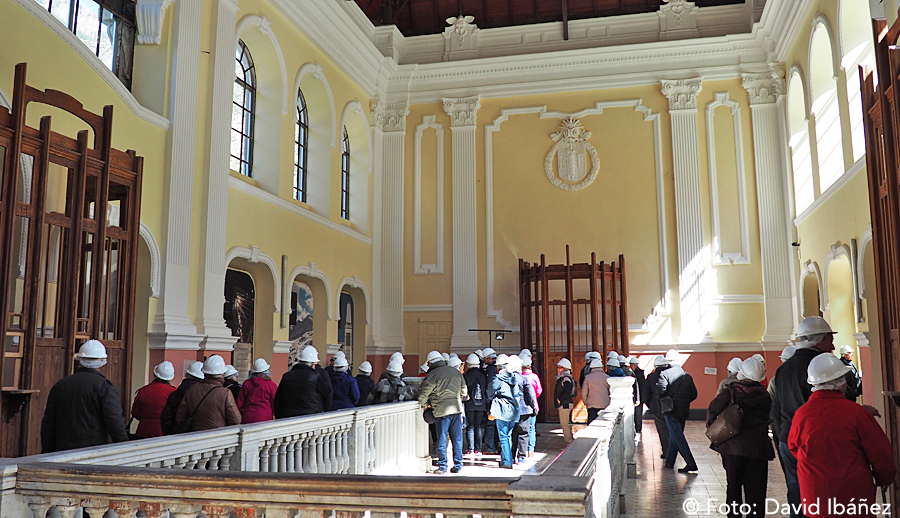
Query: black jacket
[[366, 384], [650, 394], [641, 382], [233, 386], [678, 385], [756, 404], [791, 391], [83, 409], [563, 393], [476, 382], [854, 381], [584, 372], [303, 390], [167, 418]]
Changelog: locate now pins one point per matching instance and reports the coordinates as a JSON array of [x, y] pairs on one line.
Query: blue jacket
[[504, 393], [346, 390], [616, 373], [526, 397]]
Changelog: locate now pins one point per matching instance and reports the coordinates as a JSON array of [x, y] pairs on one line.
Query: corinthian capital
[[462, 110], [765, 88], [682, 93], [388, 117]]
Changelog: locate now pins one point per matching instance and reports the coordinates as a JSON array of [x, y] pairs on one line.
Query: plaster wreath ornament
[[460, 26], [572, 149], [678, 7]]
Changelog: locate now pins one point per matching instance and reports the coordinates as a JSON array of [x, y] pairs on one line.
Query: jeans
[[748, 474], [452, 425], [663, 431], [504, 437], [490, 436], [474, 424], [532, 433], [678, 443], [789, 462], [520, 436]]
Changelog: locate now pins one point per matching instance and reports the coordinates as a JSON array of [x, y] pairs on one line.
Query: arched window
[[801, 159], [857, 49], [345, 176], [825, 109], [243, 111], [301, 149]]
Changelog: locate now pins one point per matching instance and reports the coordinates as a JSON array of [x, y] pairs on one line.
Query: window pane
[[107, 39], [60, 10], [57, 199], [18, 265], [87, 23]]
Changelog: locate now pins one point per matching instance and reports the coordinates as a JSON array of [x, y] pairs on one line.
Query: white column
[[172, 327], [766, 98], [462, 112], [389, 131], [693, 264], [212, 250]]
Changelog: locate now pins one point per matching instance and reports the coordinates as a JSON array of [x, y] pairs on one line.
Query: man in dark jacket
[[365, 382], [304, 389], [677, 385], [564, 396], [854, 380], [192, 376], [651, 396], [476, 405], [640, 382], [444, 390], [83, 409]]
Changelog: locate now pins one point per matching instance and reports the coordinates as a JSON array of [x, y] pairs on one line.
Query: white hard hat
[[399, 357], [672, 355], [502, 359], [453, 355], [633, 360], [396, 367], [591, 355], [455, 362], [309, 355], [612, 354], [479, 353], [787, 353], [524, 352], [659, 361], [760, 358], [734, 366], [338, 354], [214, 365], [424, 367], [365, 367], [814, 326], [514, 364], [846, 349], [596, 364], [91, 350], [824, 368], [433, 356], [164, 371], [445, 356], [340, 361], [753, 369], [473, 359], [196, 370], [612, 362], [565, 363], [622, 360], [488, 352], [260, 365], [527, 361], [230, 371]]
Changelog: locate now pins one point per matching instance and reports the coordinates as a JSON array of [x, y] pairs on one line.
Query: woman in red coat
[[150, 400], [257, 397], [842, 453]]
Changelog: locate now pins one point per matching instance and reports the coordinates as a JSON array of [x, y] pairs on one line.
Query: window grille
[[345, 176], [301, 148]]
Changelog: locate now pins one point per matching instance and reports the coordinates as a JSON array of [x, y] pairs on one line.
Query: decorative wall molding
[[427, 308], [262, 23], [767, 87], [316, 70], [81, 49], [862, 339], [719, 256], [353, 282], [682, 93], [462, 110], [153, 247], [389, 118], [313, 272], [460, 38], [838, 249], [543, 113], [864, 240], [149, 15], [570, 144], [282, 346], [254, 255], [428, 122], [810, 267], [738, 299], [838, 184], [678, 20]]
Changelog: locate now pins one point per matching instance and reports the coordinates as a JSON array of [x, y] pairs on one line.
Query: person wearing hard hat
[[640, 381], [588, 358], [230, 382], [746, 455], [150, 401], [192, 375], [613, 368], [842, 453], [676, 389], [475, 405], [564, 394], [343, 385], [392, 388], [331, 361], [256, 400], [443, 390], [733, 367], [527, 401], [535, 380], [760, 357], [83, 409], [595, 390], [490, 368], [814, 337], [651, 396], [503, 393], [456, 363], [303, 390], [854, 379], [397, 357], [365, 382], [208, 405], [490, 363]]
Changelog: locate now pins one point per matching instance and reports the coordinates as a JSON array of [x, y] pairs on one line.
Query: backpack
[[574, 386], [478, 395]]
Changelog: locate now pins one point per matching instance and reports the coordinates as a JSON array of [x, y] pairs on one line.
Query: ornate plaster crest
[[572, 150]]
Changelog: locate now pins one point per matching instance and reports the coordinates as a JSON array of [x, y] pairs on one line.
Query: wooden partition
[[69, 223], [567, 310]]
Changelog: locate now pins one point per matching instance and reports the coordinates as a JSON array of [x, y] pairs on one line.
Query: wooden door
[[434, 335]]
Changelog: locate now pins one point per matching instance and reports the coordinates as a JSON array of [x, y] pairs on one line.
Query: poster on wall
[[300, 331]]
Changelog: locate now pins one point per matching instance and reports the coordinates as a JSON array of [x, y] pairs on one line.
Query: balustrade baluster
[[298, 454], [184, 511], [325, 465], [264, 457], [123, 509], [339, 451], [289, 452], [332, 451], [214, 460], [95, 508], [370, 445], [191, 462], [66, 507], [313, 452], [153, 509], [345, 437], [216, 511], [225, 463], [38, 505], [282, 454]]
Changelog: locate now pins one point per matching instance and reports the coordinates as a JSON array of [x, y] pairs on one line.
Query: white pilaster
[[693, 264], [172, 327], [766, 91], [389, 128], [463, 123], [212, 273]]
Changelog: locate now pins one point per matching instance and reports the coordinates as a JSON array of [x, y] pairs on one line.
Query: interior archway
[[263, 317], [811, 300]]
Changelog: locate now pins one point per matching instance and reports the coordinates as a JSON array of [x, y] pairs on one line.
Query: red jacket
[[842, 453], [256, 400], [148, 405]]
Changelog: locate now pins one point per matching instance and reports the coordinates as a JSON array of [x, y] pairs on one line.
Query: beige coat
[[595, 391], [444, 388], [216, 411]]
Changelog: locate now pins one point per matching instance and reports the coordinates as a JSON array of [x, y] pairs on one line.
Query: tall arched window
[[301, 149], [243, 111], [345, 176], [801, 158], [825, 108]]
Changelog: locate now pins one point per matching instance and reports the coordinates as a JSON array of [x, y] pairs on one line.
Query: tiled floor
[[662, 493]]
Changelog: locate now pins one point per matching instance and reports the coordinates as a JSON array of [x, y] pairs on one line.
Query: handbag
[[727, 424]]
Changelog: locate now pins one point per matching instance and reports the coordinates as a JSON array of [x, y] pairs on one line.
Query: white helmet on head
[[514, 364], [565, 364], [433, 356], [623, 360], [672, 356], [787, 353], [591, 355], [260, 365], [396, 368], [527, 362], [365, 368], [341, 361], [455, 362], [502, 360], [445, 356], [525, 352], [164, 371], [214, 365], [659, 361], [596, 364], [633, 360], [612, 362], [195, 370], [811, 330], [612, 354], [309, 355], [846, 349], [488, 353], [824, 368], [91, 350], [230, 371], [479, 353], [399, 357], [760, 358], [753, 369], [473, 360], [734, 366]]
